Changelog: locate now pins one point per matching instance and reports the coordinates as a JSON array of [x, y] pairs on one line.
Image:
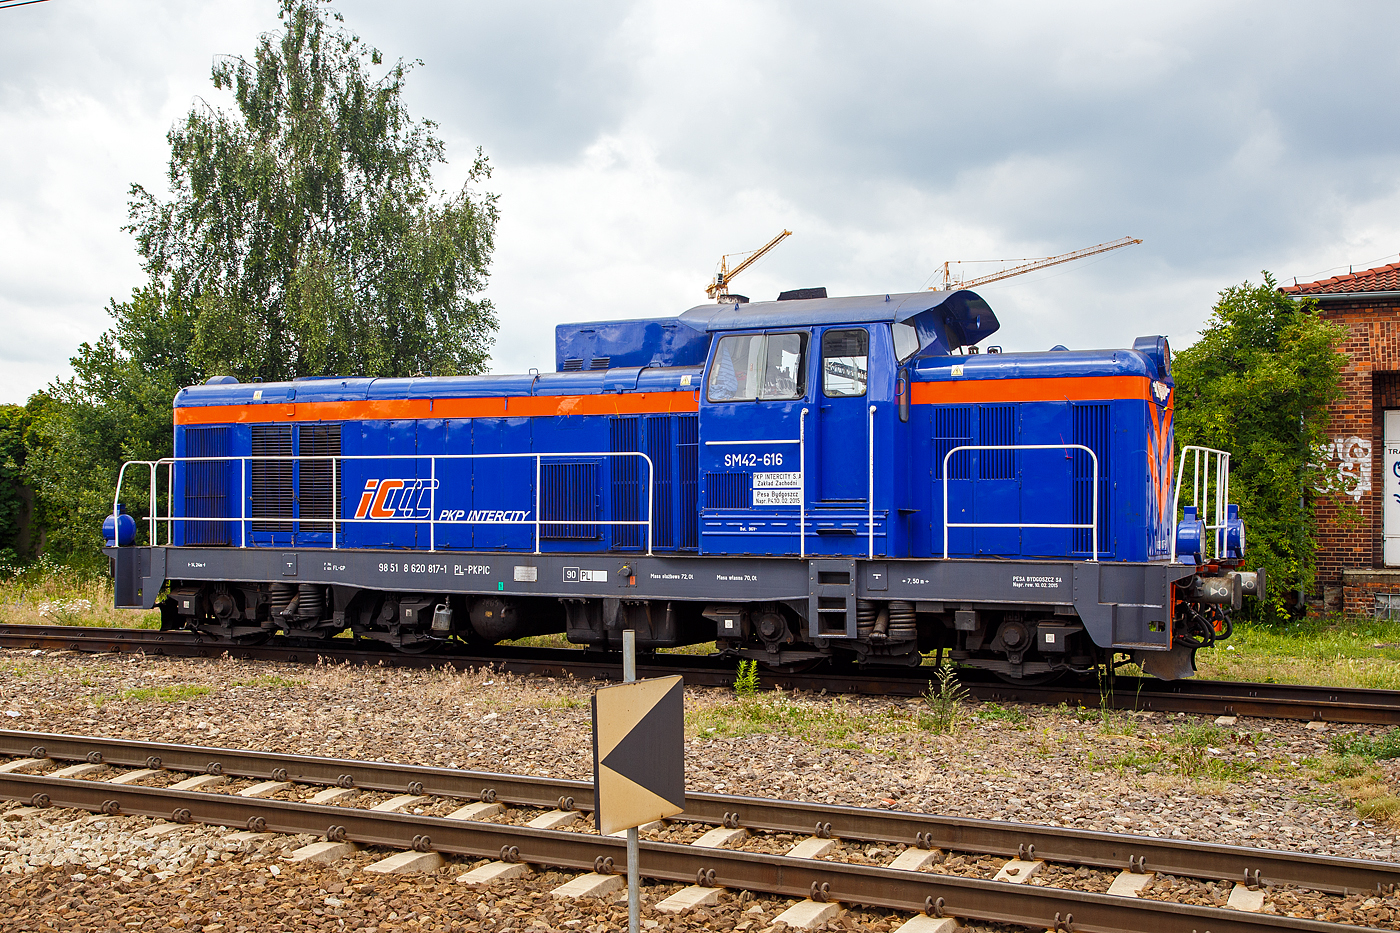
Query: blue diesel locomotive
[[799, 479]]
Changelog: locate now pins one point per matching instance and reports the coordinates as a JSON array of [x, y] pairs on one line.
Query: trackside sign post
[[638, 758]]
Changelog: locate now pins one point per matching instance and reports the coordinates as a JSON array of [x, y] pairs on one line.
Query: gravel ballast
[[1251, 785]]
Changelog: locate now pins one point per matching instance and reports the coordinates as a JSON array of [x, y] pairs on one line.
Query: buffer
[[638, 753]]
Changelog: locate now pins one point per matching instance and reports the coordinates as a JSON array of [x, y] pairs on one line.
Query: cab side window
[[906, 340], [758, 366], [845, 362]]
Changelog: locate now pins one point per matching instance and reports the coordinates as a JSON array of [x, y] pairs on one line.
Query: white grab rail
[[154, 519], [1094, 523], [1210, 486]]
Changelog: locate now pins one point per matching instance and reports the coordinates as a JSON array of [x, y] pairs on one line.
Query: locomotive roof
[[967, 308]]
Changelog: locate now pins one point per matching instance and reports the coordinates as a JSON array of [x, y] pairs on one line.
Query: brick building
[[1358, 559]]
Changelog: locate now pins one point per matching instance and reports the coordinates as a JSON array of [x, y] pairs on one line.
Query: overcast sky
[[634, 143]]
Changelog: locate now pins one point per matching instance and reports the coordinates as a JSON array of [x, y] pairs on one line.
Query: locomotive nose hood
[[944, 320]]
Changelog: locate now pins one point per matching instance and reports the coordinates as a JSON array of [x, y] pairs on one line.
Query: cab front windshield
[[758, 366]]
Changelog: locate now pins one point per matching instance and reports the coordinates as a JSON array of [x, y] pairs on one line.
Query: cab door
[[843, 412]]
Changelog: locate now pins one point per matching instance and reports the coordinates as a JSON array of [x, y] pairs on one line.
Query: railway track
[[1205, 697], [904, 885]]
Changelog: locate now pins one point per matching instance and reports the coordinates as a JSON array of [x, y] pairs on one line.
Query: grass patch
[[270, 680], [1357, 778], [1376, 748], [821, 723], [702, 649], [564, 702], [1194, 752], [173, 693], [995, 712], [1329, 651], [47, 593], [1351, 767], [556, 640], [831, 722]]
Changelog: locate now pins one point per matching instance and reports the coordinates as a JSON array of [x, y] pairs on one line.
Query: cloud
[[635, 142]]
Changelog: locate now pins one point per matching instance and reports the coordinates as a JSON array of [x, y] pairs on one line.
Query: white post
[[634, 894], [432, 505], [538, 472]]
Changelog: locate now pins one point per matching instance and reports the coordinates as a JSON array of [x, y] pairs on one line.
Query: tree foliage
[[302, 236], [305, 237], [1258, 384]]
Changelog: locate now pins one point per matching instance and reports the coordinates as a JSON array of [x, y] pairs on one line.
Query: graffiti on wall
[[1346, 464]]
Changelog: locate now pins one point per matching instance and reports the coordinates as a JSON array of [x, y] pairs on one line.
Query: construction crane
[[719, 288], [1026, 266]]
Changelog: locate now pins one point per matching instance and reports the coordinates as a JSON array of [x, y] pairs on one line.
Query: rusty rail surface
[[1204, 697], [948, 895], [1116, 851]]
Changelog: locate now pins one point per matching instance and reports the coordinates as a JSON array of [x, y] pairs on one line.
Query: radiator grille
[[207, 486], [660, 448], [318, 480], [570, 501], [1091, 428], [271, 491], [952, 427], [728, 490], [688, 458], [628, 474], [996, 424]]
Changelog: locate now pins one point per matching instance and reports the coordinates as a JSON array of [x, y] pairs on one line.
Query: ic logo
[[397, 498], [1160, 391]]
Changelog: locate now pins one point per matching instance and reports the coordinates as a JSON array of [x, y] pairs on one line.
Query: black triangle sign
[[652, 754]]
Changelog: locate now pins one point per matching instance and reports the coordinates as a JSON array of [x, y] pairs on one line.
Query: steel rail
[[1204, 697], [1116, 851], [949, 895]]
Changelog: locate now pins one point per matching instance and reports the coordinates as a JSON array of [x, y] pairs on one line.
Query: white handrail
[[802, 484], [1202, 487], [870, 469], [1094, 524], [154, 518]]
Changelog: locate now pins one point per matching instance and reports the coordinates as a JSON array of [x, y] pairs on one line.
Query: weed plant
[[746, 679], [945, 703]]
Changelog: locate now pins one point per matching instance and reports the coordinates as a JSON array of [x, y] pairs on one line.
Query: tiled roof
[[1380, 279]]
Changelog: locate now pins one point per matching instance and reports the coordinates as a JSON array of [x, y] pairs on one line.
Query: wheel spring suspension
[[281, 597], [902, 623], [866, 612], [311, 602]]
